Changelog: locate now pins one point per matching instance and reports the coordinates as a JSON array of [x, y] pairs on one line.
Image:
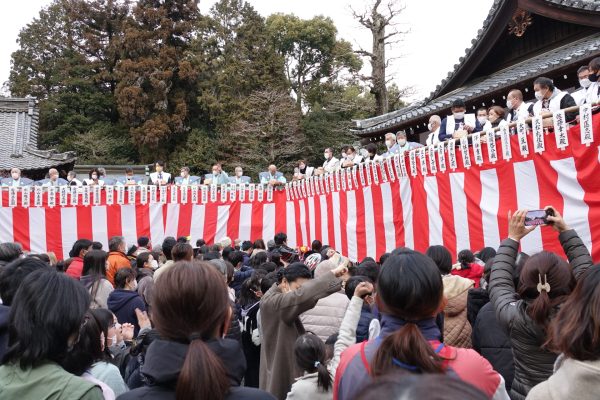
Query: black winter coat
[[164, 360], [4, 314], [476, 299], [533, 364], [493, 344]]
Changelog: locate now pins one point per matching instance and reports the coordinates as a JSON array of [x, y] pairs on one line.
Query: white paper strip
[[270, 193], [52, 196], [431, 155], [152, 195], [204, 194], [25, 196], [213, 193], [96, 195], [441, 152], [477, 152], [143, 194], [343, 178], [327, 185], [38, 193], [173, 194], [355, 176], [412, 159], [368, 173], [62, 195], [464, 149], [452, 154], [374, 172], [223, 189], [251, 190], [585, 123], [110, 195], [162, 194], [422, 161], [338, 182], [184, 193], [86, 198], [194, 193], [242, 190], [384, 177], [131, 194], [560, 129], [505, 140], [491, 145], [522, 133], [538, 134], [12, 196]]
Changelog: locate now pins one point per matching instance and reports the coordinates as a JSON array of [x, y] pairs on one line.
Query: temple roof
[[18, 135]]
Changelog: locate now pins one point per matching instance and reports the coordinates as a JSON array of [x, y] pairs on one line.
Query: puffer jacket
[[476, 299], [326, 317], [457, 329], [533, 364]]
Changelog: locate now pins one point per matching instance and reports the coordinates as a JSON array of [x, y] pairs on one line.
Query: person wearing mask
[[496, 118], [410, 293], [281, 307], [352, 158], [53, 179], [593, 91], [482, 116], [94, 278], [191, 359], [72, 179], [325, 318], [128, 179], [15, 179], [159, 177], [272, 177], [433, 139], [78, 251], [94, 178], [551, 99], [372, 155], [457, 329], [46, 317], [146, 260], [524, 312], [518, 109], [574, 334], [124, 300], [458, 121], [239, 177], [117, 257], [331, 163], [303, 170], [580, 94], [217, 176], [390, 144], [403, 144]]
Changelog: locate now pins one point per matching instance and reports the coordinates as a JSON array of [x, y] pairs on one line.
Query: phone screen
[[535, 217]]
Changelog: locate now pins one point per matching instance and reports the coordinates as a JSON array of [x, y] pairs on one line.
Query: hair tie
[[545, 286], [194, 336], [317, 363]]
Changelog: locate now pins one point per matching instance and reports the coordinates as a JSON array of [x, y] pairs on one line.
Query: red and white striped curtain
[[416, 202]]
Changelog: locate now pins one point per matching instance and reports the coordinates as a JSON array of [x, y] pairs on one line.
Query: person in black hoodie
[[191, 361], [124, 300], [11, 276]]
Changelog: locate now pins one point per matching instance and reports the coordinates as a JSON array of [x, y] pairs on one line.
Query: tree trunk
[[379, 88]]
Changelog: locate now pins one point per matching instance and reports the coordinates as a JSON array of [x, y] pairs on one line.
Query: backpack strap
[[363, 357]]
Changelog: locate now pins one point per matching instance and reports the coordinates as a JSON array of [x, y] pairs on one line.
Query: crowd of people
[[248, 320]]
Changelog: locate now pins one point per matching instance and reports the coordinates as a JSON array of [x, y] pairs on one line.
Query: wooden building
[[520, 41]]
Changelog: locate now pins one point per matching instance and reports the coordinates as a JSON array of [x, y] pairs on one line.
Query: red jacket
[[75, 268], [474, 273]]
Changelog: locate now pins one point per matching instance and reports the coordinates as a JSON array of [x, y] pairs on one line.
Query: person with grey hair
[[16, 180], [434, 128], [72, 179], [331, 163], [52, 178], [402, 144]]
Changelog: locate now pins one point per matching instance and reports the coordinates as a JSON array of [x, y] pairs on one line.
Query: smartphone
[[538, 217]]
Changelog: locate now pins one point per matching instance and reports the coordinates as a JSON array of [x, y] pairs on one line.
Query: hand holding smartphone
[[539, 217]]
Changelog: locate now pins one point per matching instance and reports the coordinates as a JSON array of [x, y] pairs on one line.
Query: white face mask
[[389, 144], [509, 104], [585, 83], [154, 264], [482, 120], [326, 156], [350, 157], [458, 115], [239, 173], [429, 127], [113, 340], [402, 142], [538, 95], [183, 174]]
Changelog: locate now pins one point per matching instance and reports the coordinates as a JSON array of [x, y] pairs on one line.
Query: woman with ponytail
[[525, 311], [409, 296], [191, 312]]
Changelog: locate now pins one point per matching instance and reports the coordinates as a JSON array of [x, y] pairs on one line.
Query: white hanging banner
[[251, 188], [143, 194], [162, 194], [477, 152], [327, 186], [287, 192], [368, 173], [522, 133], [337, 180], [322, 183], [38, 193], [296, 190], [585, 124], [403, 168], [131, 195], [242, 194], [52, 196], [153, 191], [343, 178], [110, 195], [412, 158], [560, 129], [505, 139], [452, 154], [183, 194], [96, 195], [85, 200], [12, 196], [349, 181], [309, 188], [75, 196], [25, 196], [269, 193], [432, 164], [491, 145], [355, 176], [397, 166], [223, 189], [538, 134], [213, 192], [390, 168], [194, 194], [317, 181], [423, 161], [204, 194], [232, 191], [173, 194], [384, 177], [464, 149], [441, 152], [62, 195], [303, 188], [120, 195]]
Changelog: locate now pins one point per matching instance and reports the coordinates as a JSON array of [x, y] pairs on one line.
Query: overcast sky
[[439, 32]]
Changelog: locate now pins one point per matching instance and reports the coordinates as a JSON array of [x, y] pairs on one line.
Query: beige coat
[[572, 380], [457, 329], [280, 328], [325, 319]]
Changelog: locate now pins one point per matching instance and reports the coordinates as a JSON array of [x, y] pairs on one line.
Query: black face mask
[[593, 77]]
